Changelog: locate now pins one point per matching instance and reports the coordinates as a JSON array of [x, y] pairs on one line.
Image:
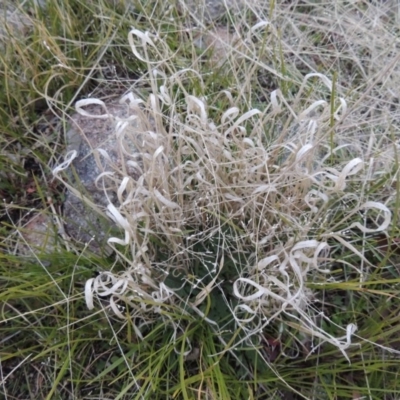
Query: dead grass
[[258, 228]]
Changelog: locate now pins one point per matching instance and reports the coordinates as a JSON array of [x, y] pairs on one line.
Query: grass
[[257, 257]]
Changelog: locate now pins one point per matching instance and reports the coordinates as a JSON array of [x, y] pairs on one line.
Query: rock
[[13, 21], [38, 235], [221, 42], [99, 151]]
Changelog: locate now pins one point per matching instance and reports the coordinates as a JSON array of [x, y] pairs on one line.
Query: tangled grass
[[258, 216], [239, 182]]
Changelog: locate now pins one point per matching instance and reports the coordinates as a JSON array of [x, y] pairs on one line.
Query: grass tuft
[[256, 252]]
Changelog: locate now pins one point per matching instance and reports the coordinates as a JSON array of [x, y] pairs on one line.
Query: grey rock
[[88, 135], [38, 235], [13, 21]]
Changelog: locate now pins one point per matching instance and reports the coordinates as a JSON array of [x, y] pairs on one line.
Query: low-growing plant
[[258, 219]]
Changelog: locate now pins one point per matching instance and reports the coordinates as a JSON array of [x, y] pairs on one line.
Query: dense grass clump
[[256, 249]]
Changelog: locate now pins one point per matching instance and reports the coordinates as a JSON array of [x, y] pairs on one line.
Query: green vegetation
[[258, 255]]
